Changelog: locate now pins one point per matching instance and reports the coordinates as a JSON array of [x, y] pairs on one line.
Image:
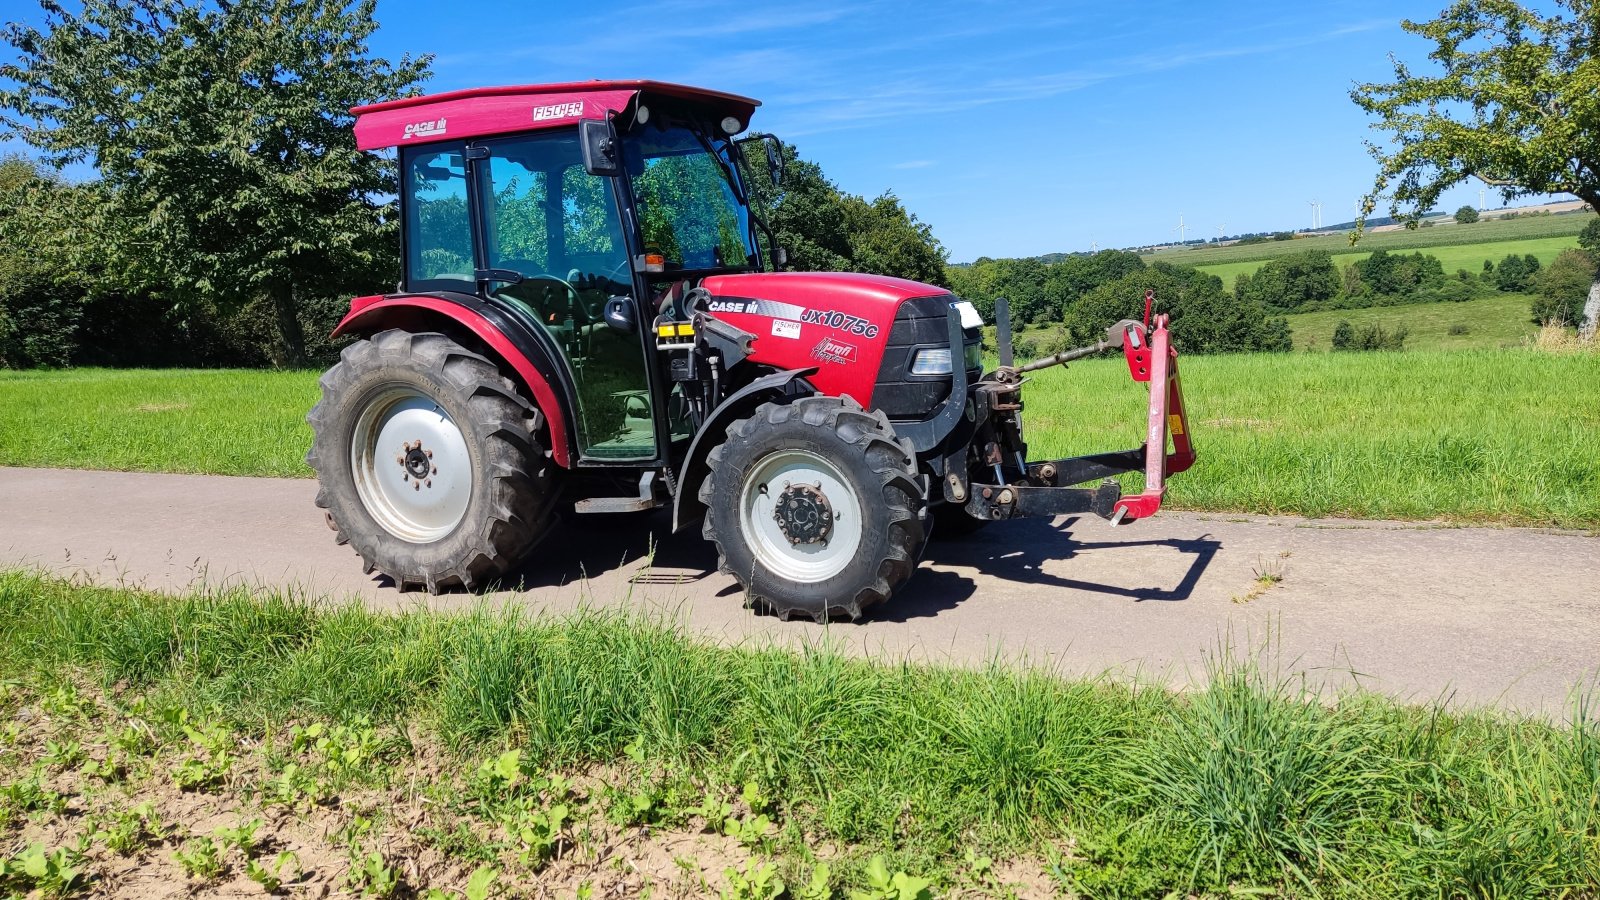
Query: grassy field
[[214, 740], [1490, 323], [1451, 257], [220, 422], [1481, 436], [1491, 231], [1504, 436]]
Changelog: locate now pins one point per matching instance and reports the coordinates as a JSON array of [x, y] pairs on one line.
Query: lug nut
[[429, 482], [416, 485]]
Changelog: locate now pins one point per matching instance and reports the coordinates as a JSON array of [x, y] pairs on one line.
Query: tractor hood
[[839, 324], [849, 292]]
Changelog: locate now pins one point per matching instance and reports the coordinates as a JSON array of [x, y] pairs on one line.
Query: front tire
[[815, 508], [427, 462]]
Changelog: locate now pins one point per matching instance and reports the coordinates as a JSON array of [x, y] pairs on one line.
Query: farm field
[[1491, 231], [1451, 256], [241, 743], [1479, 436], [1491, 323]]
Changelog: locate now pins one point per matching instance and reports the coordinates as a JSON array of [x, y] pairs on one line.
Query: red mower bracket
[[1157, 363]]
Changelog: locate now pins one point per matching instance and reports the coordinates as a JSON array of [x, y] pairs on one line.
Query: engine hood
[[805, 289], [837, 324]]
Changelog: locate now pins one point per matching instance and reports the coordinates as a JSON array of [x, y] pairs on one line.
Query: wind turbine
[[1182, 230], [1316, 214], [1220, 229]]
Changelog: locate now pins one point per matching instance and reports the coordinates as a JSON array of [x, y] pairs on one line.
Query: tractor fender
[[686, 506], [419, 312]]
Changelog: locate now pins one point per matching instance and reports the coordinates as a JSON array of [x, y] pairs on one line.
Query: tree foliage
[[1293, 282], [1204, 317], [228, 167], [1562, 288], [1466, 215], [1515, 103], [825, 229]]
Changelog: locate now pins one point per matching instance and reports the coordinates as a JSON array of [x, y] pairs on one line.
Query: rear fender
[[686, 506], [441, 312]]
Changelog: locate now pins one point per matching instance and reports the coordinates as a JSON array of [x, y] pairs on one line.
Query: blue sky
[[1014, 129]]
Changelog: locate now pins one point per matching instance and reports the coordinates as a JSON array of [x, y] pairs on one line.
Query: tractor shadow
[[1018, 550], [590, 547]]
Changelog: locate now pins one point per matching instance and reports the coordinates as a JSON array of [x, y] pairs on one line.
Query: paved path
[[1506, 616]]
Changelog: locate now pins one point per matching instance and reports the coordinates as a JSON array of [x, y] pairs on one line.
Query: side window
[[518, 195], [441, 244], [586, 214]]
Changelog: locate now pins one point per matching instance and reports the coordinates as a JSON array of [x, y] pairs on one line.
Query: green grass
[[1503, 436], [1451, 257], [1491, 323], [1479, 436], [219, 422], [1255, 783], [1491, 231]]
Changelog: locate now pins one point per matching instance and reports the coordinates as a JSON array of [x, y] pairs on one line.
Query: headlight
[[931, 361]]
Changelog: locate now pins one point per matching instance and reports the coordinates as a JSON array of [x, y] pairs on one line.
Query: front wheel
[[427, 462], [814, 507]]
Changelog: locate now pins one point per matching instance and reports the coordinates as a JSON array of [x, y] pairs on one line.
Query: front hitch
[[1046, 488]]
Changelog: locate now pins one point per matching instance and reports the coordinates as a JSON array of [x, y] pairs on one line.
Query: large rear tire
[[815, 508], [428, 463]]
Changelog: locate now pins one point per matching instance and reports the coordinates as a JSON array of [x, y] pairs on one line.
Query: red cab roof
[[498, 110]]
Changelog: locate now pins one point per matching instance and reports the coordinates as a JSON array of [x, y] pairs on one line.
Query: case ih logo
[[557, 111], [430, 128], [834, 351]]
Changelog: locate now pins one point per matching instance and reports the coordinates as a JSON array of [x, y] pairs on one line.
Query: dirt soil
[[430, 822]]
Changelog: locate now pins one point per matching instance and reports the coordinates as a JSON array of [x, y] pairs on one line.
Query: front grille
[[919, 323]]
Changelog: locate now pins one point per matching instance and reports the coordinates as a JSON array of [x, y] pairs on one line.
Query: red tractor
[[592, 320]]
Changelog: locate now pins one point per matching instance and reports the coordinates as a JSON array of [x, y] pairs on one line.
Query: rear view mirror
[[775, 161], [601, 153]]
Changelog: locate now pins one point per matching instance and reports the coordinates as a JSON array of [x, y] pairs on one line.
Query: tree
[[1205, 318], [1562, 287], [1515, 103], [222, 137], [825, 229], [1298, 281], [1466, 215]]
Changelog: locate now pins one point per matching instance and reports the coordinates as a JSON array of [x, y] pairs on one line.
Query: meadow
[[1503, 436], [1452, 257], [1445, 235], [1500, 321], [221, 738]]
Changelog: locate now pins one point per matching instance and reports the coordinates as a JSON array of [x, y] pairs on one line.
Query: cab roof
[[482, 111]]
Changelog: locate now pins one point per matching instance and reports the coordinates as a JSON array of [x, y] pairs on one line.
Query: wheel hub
[[417, 462], [803, 514]]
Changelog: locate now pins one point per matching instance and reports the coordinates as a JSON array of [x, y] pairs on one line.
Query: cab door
[[557, 228]]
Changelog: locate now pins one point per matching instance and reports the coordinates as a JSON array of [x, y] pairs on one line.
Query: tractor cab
[[577, 211]]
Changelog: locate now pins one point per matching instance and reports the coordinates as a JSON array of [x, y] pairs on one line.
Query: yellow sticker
[[1175, 424]]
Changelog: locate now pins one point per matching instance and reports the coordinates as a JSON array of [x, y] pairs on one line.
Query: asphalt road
[[1508, 617]]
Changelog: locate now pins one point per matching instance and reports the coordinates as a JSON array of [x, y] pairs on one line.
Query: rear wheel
[[814, 507], [427, 462]]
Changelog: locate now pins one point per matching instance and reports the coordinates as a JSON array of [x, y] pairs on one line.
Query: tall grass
[[1253, 781]]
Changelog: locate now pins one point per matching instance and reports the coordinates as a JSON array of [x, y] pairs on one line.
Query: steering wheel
[[572, 298]]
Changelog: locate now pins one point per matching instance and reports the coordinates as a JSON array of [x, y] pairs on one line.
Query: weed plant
[[1256, 781]]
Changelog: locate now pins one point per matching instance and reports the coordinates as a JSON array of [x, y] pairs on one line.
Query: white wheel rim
[[412, 469], [762, 533]]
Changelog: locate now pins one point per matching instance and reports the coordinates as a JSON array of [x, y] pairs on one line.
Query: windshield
[[689, 210]]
